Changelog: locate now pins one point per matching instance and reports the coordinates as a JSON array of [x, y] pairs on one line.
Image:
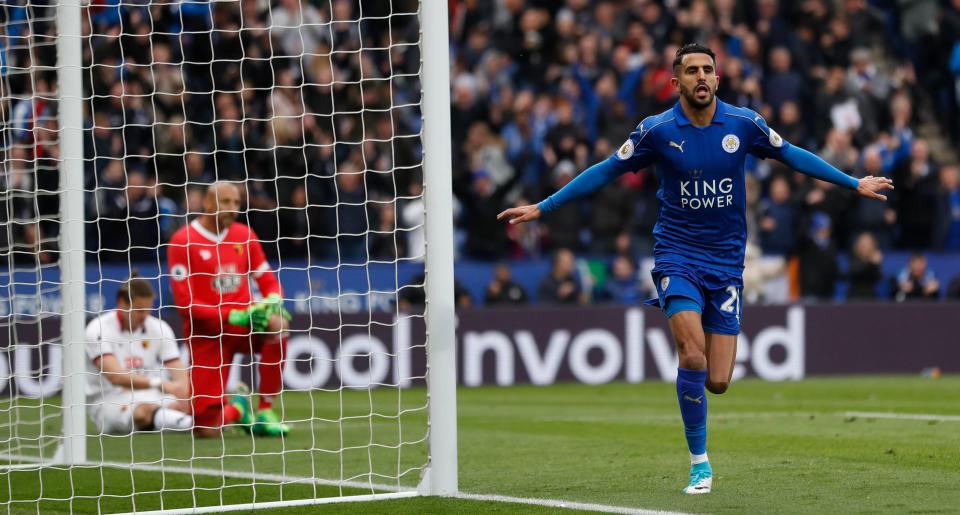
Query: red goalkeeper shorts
[[210, 362]]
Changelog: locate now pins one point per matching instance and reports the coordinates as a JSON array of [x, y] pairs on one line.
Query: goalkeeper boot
[[268, 424], [701, 479], [241, 401]]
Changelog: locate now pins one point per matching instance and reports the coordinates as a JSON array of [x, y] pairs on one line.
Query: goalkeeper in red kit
[[210, 262]]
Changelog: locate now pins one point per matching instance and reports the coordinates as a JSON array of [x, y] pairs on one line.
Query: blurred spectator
[[878, 218], [625, 246], [170, 215], [758, 272], [865, 80], [525, 239], [299, 27], [295, 225], [482, 201], [613, 208], [818, 260], [782, 84], [564, 224], [916, 281], [947, 226], [916, 188], [565, 139], [623, 286], [864, 270], [385, 243], [502, 290], [561, 286], [790, 124], [142, 220], [778, 219], [353, 219], [486, 153]]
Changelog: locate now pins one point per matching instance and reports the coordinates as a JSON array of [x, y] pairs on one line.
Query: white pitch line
[[396, 491], [640, 419], [236, 474], [570, 505], [276, 504], [901, 416]]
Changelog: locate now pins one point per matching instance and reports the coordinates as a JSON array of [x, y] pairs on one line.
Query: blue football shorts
[[717, 293]]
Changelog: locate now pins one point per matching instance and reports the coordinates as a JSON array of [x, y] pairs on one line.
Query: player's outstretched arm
[[591, 180], [810, 164]]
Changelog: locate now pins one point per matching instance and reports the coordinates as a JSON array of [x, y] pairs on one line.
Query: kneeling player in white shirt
[[138, 381]]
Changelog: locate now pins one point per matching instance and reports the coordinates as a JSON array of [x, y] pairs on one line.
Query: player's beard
[[225, 220], [691, 96]]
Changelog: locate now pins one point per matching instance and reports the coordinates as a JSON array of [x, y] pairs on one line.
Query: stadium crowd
[[541, 90], [314, 105]]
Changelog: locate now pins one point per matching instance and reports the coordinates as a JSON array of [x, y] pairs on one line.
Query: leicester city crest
[[664, 283], [731, 143]]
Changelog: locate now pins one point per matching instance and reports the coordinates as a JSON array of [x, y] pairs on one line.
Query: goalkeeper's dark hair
[[692, 48], [135, 287]]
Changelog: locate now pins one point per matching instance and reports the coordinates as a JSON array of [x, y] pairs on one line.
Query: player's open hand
[[870, 187], [518, 215]]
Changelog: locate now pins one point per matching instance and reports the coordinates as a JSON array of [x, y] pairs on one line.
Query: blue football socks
[[693, 410]]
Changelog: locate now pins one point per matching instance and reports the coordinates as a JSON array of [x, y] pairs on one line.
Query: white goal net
[[126, 125]]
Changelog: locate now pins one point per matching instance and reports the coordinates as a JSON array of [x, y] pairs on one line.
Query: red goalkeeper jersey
[[209, 274]]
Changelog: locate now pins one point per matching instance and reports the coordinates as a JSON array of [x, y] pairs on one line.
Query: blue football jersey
[[702, 213]]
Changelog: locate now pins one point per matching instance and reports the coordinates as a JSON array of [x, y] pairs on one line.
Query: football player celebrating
[[698, 148]]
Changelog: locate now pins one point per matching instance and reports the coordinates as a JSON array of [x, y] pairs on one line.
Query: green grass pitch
[[775, 447]]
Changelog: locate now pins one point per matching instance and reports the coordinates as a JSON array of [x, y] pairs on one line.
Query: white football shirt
[[143, 351]]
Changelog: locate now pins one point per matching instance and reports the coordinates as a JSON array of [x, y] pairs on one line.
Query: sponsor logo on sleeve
[[775, 139]]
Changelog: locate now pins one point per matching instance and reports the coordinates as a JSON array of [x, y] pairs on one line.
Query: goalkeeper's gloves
[[239, 316], [256, 317], [274, 306]]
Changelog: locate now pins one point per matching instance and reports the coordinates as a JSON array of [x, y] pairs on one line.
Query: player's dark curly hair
[[692, 48]]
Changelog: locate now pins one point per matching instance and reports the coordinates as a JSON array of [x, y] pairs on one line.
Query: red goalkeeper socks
[[266, 402], [271, 371]]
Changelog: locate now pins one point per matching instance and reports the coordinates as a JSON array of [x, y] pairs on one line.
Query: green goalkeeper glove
[[256, 317], [259, 318], [239, 316], [274, 305]]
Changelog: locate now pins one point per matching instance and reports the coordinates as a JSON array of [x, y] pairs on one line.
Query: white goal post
[[366, 423]]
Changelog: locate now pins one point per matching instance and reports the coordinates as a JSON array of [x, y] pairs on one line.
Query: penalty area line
[[901, 416], [569, 505]]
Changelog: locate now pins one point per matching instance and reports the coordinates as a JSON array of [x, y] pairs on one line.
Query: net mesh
[[313, 109]]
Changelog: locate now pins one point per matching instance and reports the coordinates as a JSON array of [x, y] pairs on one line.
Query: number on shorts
[[732, 305]]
